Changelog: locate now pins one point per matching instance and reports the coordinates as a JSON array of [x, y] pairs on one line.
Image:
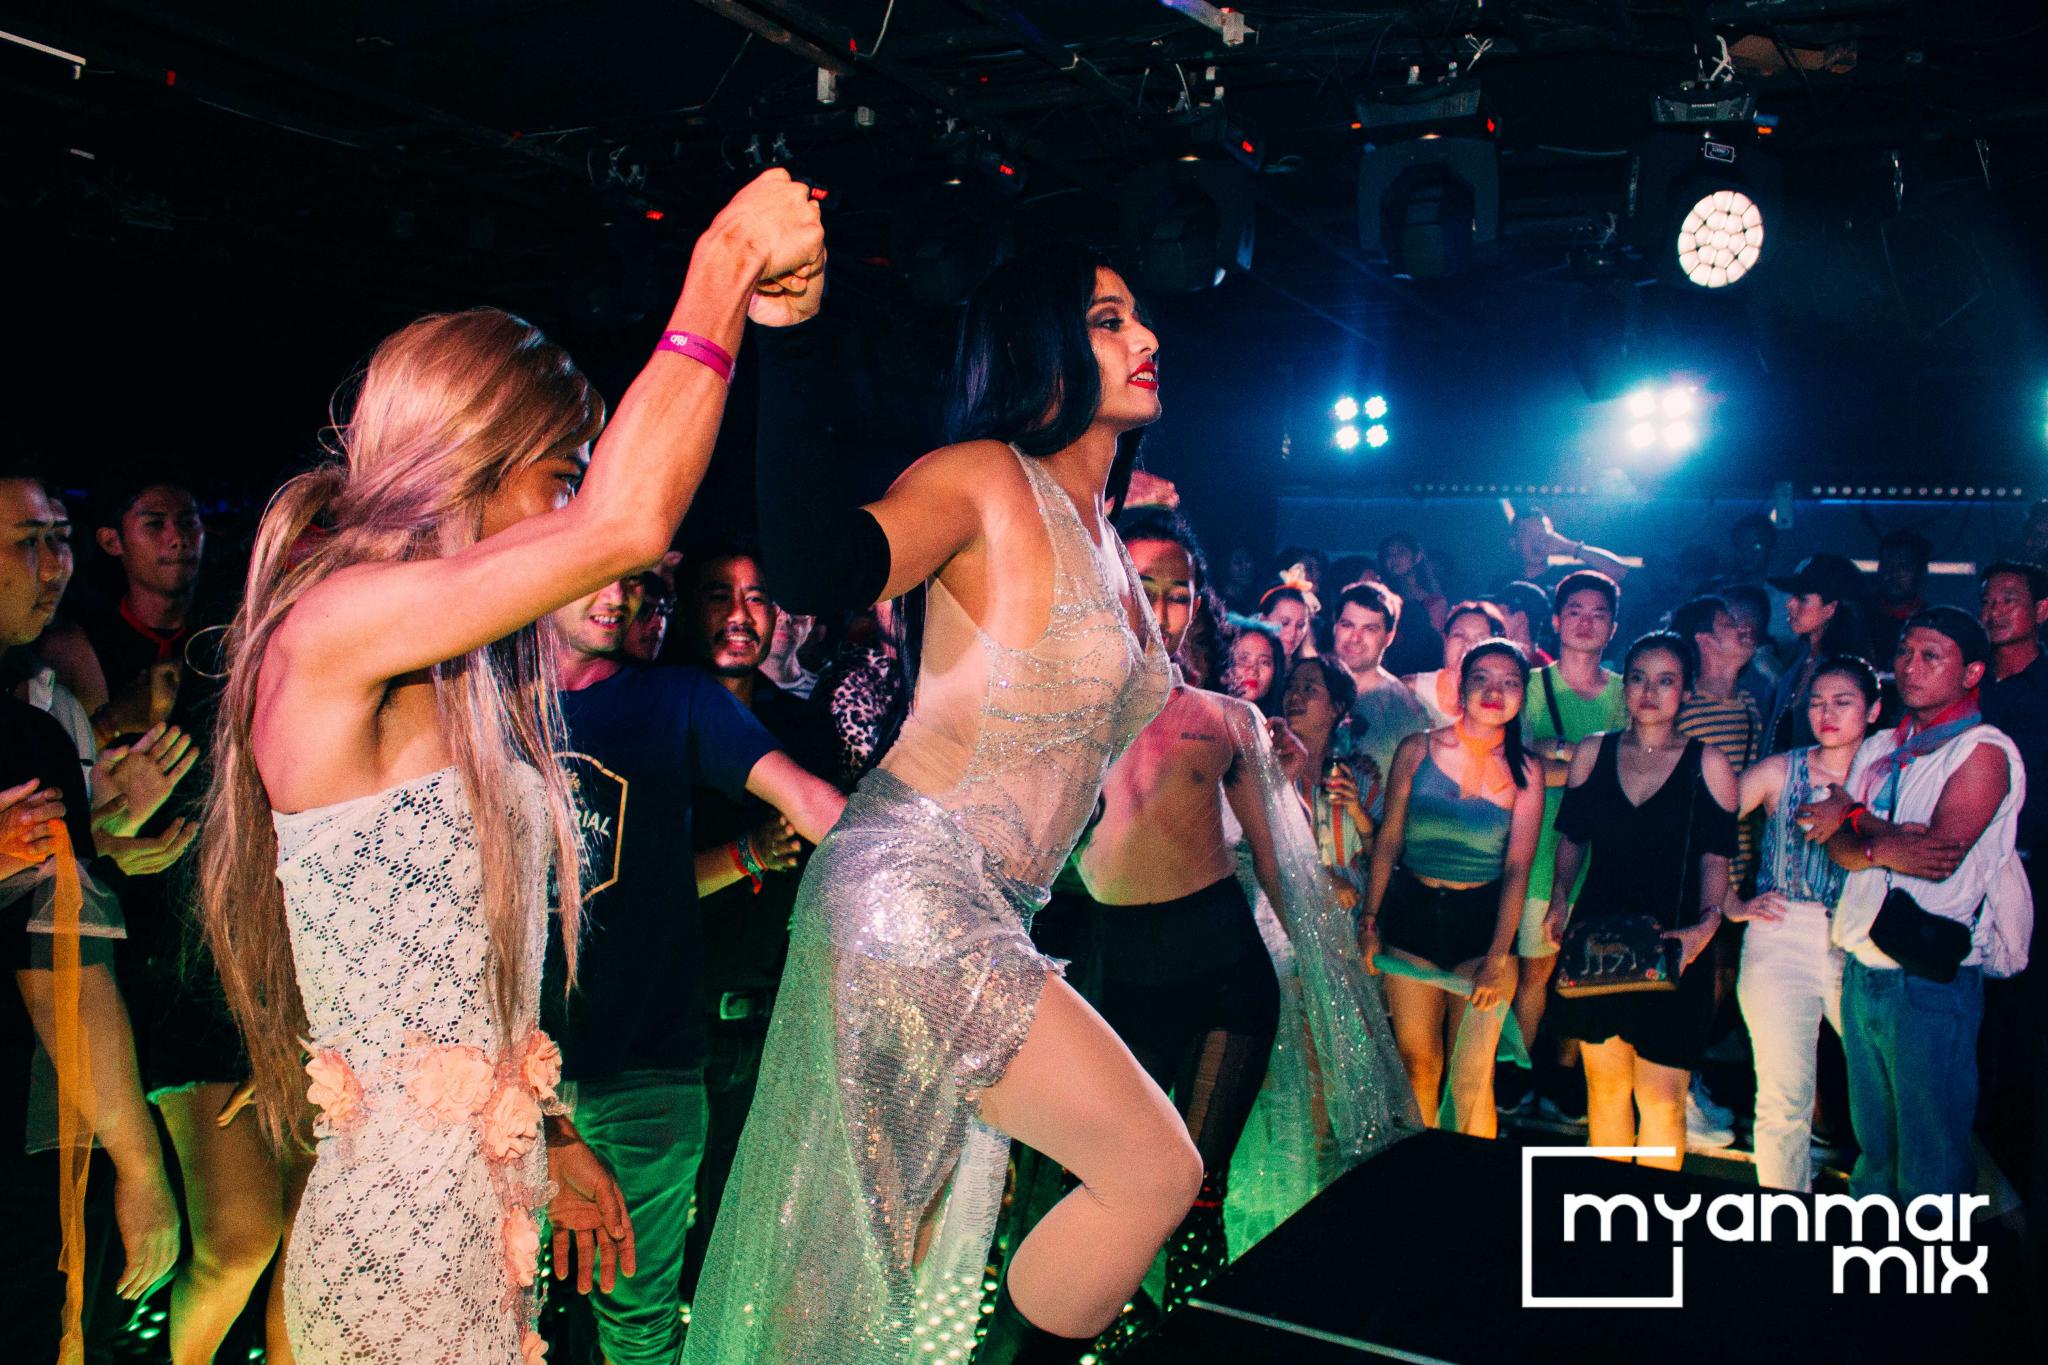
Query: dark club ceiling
[[262, 189]]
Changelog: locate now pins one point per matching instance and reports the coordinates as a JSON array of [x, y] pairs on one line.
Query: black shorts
[[1438, 924]]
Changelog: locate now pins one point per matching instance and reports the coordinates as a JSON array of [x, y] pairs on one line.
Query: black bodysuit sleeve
[[824, 552]]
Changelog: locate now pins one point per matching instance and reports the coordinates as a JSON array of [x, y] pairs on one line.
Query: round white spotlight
[[1642, 435], [1721, 239], [1375, 408], [1347, 437], [1676, 402], [1346, 409], [1680, 436], [1376, 435], [1642, 403]]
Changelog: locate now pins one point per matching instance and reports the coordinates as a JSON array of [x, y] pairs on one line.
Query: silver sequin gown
[[912, 981]]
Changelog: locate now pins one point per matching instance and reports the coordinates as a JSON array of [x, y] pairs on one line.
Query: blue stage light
[[1376, 435]]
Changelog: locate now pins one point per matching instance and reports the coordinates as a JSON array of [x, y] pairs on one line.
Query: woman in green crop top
[[1450, 870]]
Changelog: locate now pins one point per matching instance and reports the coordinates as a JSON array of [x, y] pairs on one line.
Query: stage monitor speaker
[[1419, 1255]]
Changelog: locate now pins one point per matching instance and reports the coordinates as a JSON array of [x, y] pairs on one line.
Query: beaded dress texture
[[417, 1240], [912, 981]]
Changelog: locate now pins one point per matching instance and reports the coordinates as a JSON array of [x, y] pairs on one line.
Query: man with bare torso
[[1176, 964]]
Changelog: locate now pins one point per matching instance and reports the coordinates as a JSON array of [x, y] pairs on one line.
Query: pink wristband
[[703, 350]]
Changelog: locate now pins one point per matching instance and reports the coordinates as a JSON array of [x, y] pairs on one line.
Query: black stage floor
[[1418, 1255]]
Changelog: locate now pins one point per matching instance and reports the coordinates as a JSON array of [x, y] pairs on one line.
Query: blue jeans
[[1911, 1045], [649, 1128]]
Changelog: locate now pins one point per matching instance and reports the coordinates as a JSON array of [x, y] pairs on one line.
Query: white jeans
[[1791, 979]]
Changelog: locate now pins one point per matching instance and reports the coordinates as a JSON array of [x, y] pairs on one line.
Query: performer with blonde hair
[[386, 807]]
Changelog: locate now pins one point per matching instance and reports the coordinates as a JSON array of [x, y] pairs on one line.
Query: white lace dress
[[418, 1239]]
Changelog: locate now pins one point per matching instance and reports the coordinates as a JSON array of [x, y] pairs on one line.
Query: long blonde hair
[[446, 410]]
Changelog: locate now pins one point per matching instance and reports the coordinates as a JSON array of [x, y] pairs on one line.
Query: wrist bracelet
[[742, 854], [1854, 818], [752, 862], [703, 350]]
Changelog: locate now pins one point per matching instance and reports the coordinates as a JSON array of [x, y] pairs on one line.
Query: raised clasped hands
[[790, 298], [774, 221]]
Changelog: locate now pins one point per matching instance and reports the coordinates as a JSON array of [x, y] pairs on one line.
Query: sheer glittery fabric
[[1335, 1091], [418, 1223], [912, 981]]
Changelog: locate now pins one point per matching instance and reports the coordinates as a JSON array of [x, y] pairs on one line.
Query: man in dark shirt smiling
[[632, 1034]]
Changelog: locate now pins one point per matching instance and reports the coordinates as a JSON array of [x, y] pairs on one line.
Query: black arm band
[[824, 551], [838, 563]]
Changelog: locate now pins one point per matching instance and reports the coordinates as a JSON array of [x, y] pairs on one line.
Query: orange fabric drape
[[1479, 779], [75, 1107]]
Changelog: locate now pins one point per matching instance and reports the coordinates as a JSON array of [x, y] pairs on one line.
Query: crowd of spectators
[[1785, 744]]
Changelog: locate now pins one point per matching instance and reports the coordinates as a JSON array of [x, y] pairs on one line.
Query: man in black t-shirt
[[150, 526], [632, 1035], [725, 621], [33, 747]]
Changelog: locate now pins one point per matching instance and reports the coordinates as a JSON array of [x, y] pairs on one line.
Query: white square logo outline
[[1530, 1298]]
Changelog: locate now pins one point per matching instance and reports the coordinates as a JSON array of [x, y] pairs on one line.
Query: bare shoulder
[[1224, 707], [1239, 718], [1408, 755], [1720, 775], [1585, 755], [970, 468]]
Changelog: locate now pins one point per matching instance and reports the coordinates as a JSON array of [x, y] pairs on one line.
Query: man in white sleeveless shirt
[[1930, 809]]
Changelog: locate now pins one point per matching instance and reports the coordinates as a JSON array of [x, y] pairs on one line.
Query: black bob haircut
[[1024, 352], [1678, 646], [1164, 523]]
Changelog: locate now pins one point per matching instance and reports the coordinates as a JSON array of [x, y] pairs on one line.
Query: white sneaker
[[1704, 1105], [1702, 1134]]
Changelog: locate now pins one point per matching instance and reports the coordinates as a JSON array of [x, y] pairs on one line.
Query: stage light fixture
[[1680, 436], [1721, 239], [1642, 403], [1347, 436], [1376, 436], [1346, 409], [1186, 225], [1375, 407], [1642, 435], [1428, 178], [1677, 402]]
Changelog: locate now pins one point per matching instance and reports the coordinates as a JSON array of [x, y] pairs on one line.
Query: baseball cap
[[1832, 576]]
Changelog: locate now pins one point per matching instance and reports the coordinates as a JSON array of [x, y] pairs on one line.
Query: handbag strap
[[1697, 778], [1550, 697]]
